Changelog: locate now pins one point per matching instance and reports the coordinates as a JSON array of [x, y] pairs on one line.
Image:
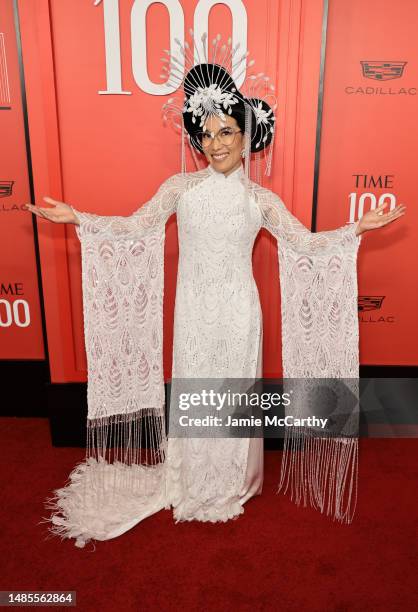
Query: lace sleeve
[[152, 214], [280, 222], [320, 357]]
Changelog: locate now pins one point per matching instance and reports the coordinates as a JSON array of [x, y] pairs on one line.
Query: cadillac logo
[[370, 302], [6, 188], [382, 71]]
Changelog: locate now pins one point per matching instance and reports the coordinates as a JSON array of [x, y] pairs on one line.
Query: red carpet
[[276, 556]]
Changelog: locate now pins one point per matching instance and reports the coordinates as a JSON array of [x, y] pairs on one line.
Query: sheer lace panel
[[152, 214], [278, 220]]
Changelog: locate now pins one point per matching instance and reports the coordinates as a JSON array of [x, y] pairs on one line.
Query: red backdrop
[[108, 152], [20, 314], [368, 155]]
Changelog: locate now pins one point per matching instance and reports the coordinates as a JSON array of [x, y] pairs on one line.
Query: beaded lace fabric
[[132, 469]]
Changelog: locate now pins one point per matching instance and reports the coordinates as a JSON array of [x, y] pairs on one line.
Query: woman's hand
[[377, 218], [59, 213]]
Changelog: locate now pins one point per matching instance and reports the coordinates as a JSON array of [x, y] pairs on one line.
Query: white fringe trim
[[321, 471]]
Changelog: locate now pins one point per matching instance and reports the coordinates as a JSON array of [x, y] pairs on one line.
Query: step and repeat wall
[[368, 156], [95, 88], [20, 313]]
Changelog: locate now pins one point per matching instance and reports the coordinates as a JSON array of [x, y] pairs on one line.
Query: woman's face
[[223, 157]]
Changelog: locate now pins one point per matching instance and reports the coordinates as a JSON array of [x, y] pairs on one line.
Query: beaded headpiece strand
[[209, 89]]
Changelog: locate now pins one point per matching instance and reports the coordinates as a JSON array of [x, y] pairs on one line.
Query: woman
[[217, 325]]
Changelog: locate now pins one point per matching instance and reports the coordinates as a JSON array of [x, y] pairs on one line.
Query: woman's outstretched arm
[[151, 214], [282, 223]]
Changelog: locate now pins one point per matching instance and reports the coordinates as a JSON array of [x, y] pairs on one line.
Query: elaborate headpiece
[[210, 89]]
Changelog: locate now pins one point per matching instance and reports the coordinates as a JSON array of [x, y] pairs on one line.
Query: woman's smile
[[219, 156]]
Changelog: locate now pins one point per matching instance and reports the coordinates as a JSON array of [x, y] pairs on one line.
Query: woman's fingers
[[33, 209], [38, 210], [399, 210], [396, 210], [51, 201], [394, 214], [45, 213], [48, 200]]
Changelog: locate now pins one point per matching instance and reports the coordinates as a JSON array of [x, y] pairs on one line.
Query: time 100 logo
[[139, 40], [15, 313]]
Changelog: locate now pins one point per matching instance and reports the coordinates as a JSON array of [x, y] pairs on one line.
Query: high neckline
[[236, 174]]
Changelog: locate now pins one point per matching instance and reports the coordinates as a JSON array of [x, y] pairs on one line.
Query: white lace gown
[[217, 333]]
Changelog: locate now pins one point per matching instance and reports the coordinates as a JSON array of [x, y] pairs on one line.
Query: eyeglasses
[[226, 136]]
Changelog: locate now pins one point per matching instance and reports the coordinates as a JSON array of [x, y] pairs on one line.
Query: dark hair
[[209, 74]]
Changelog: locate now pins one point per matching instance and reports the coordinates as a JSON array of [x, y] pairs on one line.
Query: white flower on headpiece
[[261, 115], [209, 100]]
